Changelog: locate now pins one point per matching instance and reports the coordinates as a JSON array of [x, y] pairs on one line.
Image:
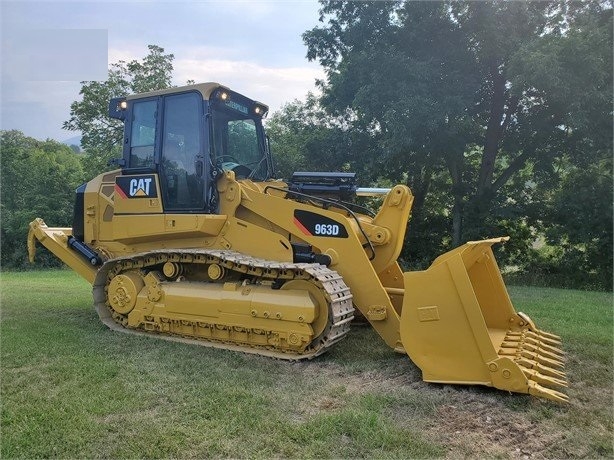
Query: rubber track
[[330, 282]]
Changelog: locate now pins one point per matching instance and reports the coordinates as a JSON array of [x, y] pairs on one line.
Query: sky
[[48, 47]]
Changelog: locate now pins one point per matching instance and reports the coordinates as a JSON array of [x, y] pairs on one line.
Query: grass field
[[73, 389]]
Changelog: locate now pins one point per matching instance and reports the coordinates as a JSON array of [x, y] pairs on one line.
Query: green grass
[[70, 388]]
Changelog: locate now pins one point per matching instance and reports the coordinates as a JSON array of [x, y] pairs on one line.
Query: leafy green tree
[[486, 92], [38, 179], [574, 206], [288, 136], [305, 137], [398, 67], [581, 224], [102, 135]]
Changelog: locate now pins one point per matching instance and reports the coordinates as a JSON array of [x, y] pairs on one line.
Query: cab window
[[237, 146], [143, 134]]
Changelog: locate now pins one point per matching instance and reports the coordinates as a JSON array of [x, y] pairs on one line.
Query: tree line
[[498, 115]]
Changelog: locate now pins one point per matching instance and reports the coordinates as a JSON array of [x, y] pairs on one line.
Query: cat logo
[[140, 187], [136, 186]]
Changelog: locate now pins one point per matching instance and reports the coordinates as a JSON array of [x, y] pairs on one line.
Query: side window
[[182, 186], [243, 141], [143, 134]]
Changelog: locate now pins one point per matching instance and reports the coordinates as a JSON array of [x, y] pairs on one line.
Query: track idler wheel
[[123, 291]]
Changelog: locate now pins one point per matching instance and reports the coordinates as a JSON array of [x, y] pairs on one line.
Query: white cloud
[[273, 86]]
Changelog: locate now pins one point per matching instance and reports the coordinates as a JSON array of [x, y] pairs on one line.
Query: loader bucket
[[459, 326]]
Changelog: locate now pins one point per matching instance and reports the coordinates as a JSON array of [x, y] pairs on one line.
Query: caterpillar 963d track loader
[[190, 239]]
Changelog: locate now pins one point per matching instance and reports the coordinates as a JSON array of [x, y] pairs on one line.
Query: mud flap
[[459, 326]]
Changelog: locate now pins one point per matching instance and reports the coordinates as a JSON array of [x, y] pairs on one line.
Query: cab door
[[181, 166]]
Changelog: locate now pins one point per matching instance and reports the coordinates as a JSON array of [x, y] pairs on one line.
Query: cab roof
[[206, 89]]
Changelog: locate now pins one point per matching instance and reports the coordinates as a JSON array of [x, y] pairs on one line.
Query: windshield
[[238, 144]]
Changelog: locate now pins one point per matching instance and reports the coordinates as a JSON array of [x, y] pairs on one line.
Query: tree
[[576, 209], [581, 225], [102, 135], [446, 86], [38, 179], [399, 68], [305, 137]]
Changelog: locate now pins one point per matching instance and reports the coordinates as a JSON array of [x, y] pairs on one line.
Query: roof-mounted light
[[260, 110], [117, 108]]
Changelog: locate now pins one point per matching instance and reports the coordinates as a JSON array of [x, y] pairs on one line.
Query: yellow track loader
[[191, 239]]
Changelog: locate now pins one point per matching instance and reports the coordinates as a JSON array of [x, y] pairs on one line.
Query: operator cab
[[188, 136]]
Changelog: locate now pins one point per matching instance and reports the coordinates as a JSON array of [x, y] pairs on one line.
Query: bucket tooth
[[544, 339], [537, 335], [543, 379], [530, 339], [553, 348], [535, 349], [529, 364], [557, 364], [548, 335], [533, 328], [536, 389], [519, 341], [545, 346]]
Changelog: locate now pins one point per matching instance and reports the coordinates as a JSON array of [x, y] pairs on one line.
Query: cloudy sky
[[254, 47]]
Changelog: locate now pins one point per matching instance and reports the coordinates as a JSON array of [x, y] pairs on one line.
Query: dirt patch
[[402, 373], [474, 422], [471, 427]]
